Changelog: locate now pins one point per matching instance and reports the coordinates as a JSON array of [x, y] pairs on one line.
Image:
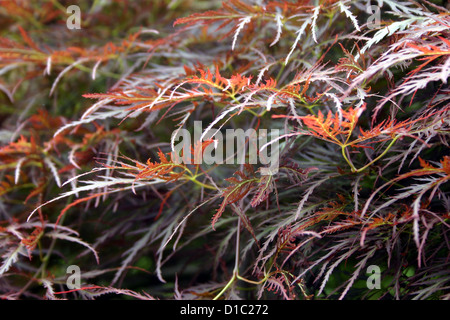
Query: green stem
[[353, 168], [344, 154], [380, 156], [236, 275], [280, 72], [201, 184], [229, 283]]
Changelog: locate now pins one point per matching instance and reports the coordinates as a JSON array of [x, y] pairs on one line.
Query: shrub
[[93, 183]]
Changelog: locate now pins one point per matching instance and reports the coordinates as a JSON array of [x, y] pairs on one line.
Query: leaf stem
[[380, 156], [236, 275], [353, 168], [344, 154], [201, 184]]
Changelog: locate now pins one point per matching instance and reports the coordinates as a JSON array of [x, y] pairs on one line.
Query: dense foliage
[[89, 121]]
